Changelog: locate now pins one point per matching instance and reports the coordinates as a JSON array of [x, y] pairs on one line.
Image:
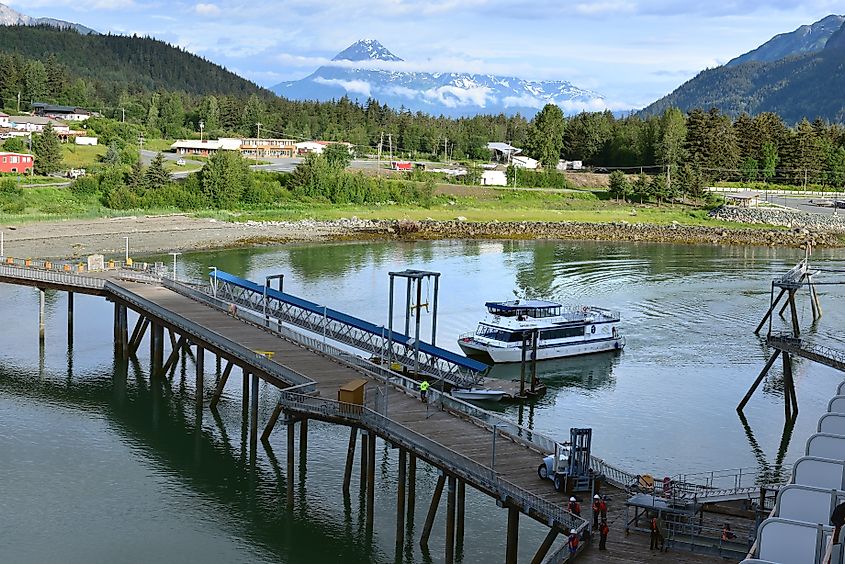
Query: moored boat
[[561, 331], [478, 394]]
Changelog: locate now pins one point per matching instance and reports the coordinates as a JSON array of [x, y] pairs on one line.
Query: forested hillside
[[121, 62], [806, 86]]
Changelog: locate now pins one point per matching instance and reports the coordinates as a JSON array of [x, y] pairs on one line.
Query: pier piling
[[253, 427], [513, 535], [290, 469], [350, 459], [156, 349], [400, 502], [365, 438], [138, 334], [200, 381], [450, 522], [412, 487], [460, 509], [215, 399], [70, 317], [303, 439], [41, 315], [432, 511], [371, 482]]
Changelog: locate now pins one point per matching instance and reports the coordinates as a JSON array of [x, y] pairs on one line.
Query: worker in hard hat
[[599, 510], [424, 391], [574, 506]]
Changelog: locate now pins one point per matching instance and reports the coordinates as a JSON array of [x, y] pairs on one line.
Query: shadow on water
[[160, 418]]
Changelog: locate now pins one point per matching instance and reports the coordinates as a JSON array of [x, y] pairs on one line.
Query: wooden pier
[[468, 446]]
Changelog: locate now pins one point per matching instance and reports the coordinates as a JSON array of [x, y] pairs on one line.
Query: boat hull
[[500, 355], [478, 395]]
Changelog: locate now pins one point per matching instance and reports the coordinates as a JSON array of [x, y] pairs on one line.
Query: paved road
[[803, 203]]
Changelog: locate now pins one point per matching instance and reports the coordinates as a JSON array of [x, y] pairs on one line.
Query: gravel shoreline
[[162, 234]]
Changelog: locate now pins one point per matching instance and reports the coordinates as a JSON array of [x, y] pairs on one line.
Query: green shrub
[[85, 186], [10, 187]]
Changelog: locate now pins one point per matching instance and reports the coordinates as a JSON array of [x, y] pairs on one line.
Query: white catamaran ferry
[[562, 331]]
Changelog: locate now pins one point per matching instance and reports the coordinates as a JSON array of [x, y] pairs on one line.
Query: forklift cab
[[569, 466]]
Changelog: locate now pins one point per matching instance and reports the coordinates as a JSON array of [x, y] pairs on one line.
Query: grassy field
[[82, 156], [46, 203]]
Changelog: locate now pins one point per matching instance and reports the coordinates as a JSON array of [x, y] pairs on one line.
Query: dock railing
[[458, 464], [52, 277]]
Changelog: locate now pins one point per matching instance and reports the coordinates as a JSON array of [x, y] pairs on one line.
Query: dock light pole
[[174, 254], [2, 245], [126, 250]]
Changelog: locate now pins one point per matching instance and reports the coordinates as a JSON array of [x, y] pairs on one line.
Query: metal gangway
[[817, 353], [389, 346]]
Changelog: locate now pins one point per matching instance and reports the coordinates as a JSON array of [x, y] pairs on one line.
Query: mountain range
[[8, 16], [795, 75], [367, 69]]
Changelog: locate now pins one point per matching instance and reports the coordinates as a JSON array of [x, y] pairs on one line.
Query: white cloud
[[353, 86], [453, 97], [207, 9], [524, 101]]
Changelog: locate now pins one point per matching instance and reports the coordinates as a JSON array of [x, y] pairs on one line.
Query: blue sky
[[631, 51]]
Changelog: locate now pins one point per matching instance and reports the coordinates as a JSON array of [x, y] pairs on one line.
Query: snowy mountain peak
[[9, 16], [366, 50]]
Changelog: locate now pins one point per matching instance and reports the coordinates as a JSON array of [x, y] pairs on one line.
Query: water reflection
[[589, 372]]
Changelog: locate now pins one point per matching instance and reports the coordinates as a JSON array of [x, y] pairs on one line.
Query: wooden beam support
[[157, 349], [200, 381], [253, 427], [290, 468], [769, 313], [218, 391], [450, 522], [796, 329], [512, 550], [245, 393], [815, 297], [412, 487], [759, 379], [461, 505], [400, 502], [70, 316], [271, 423], [432, 511], [371, 482], [790, 399], [138, 335], [303, 437], [173, 358], [350, 459], [41, 314], [365, 452], [545, 546]]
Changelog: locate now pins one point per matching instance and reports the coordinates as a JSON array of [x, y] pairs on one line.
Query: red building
[[16, 162]]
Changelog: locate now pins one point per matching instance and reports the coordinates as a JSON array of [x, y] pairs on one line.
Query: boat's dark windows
[[497, 334], [563, 333]]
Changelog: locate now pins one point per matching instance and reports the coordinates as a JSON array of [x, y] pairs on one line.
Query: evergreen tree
[[171, 120], [253, 114], [135, 181], [153, 111], [224, 178], [210, 114], [545, 137], [672, 136], [770, 160], [112, 156], [156, 176], [35, 82], [337, 155], [619, 187], [641, 188], [48, 151]]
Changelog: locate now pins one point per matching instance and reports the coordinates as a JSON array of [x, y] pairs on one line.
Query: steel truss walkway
[[424, 358], [817, 353]]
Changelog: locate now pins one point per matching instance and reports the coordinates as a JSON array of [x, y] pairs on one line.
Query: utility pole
[[380, 141], [258, 139], [19, 102], [258, 133], [202, 126], [669, 178], [390, 143], [445, 150]]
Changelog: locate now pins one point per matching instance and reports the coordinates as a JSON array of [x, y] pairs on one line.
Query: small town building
[[85, 140], [36, 124], [254, 148], [66, 113], [503, 152], [206, 147], [525, 162], [16, 162], [4, 120], [745, 199], [494, 178], [305, 147]]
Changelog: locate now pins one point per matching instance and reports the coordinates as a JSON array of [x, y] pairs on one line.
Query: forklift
[[569, 466]]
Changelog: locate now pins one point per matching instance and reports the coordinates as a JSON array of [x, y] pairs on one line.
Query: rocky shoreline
[[163, 234]]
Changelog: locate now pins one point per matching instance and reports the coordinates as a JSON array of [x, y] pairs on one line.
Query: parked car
[[75, 173], [180, 162]]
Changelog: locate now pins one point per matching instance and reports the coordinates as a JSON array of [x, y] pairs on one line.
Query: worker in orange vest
[[655, 534], [573, 542], [603, 530], [574, 506], [599, 510]]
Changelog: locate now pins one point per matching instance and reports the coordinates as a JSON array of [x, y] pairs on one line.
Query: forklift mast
[[579, 454]]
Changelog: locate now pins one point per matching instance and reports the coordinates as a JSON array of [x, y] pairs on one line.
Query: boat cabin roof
[[535, 308]]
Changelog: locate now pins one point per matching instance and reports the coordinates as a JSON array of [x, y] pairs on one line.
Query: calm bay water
[[97, 466]]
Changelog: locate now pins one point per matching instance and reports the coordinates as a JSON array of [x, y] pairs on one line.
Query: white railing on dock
[[51, 276]]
